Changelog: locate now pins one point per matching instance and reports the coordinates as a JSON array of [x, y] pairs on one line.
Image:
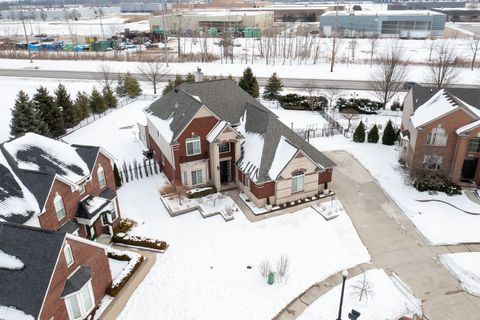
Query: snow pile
[[465, 267], [227, 256], [383, 298], [12, 313], [10, 262], [60, 155], [284, 153], [437, 106], [24, 205]]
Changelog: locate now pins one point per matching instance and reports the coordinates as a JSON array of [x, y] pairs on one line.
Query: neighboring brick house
[[57, 186], [441, 131], [214, 133], [50, 274]]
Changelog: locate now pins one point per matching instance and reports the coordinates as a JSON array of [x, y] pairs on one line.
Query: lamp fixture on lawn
[[344, 277]]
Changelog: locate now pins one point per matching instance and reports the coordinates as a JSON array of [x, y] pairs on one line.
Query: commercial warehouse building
[[461, 14], [220, 20], [404, 24]]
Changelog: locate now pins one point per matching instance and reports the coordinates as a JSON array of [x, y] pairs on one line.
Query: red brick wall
[[325, 176], [84, 255], [450, 123], [71, 199], [263, 190]]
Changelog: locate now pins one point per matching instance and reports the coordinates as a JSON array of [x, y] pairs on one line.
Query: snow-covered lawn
[[210, 270], [438, 222], [465, 267], [116, 267], [369, 120], [117, 132], [386, 299], [300, 119]]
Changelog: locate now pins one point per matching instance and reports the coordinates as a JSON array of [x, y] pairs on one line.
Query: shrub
[[294, 101], [396, 106], [120, 257], [268, 201], [192, 194], [389, 134], [362, 105], [359, 134], [141, 242], [436, 182], [265, 268], [113, 290], [373, 135], [125, 225], [116, 175]]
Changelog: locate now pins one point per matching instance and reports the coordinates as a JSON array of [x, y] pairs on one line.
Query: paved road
[[395, 245], [288, 82]]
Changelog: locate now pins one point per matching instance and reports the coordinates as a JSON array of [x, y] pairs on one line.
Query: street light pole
[[25, 31], [344, 277]]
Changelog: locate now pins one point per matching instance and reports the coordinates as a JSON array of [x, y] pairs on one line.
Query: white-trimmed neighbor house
[[214, 133]]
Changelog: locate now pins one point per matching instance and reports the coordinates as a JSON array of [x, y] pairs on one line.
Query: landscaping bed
[[142, 242], [134, 262]]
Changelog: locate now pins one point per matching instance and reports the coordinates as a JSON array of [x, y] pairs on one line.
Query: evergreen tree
[[359, 134], [64, 102], [248, 82], [109, 97], [389, 134], [190, 78], [131, 85], [121, 89], [373, 135], [24, 117], [172, 84], [116, 175], [82, 106], [273, 87], [49, 113], [96, 102]]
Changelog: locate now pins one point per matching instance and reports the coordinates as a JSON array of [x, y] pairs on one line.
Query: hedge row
[[294, 101], [203, 193], [437, 182], [114, 290], [141, 242], [362, 105]]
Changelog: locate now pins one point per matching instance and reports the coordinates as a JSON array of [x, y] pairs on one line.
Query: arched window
[[298, 181], [59, 208], [101, 177], [193, 145], [437, 137]]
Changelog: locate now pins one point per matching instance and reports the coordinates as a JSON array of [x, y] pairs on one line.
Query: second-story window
[[59, 208], [193, 145], [437, 137], [473, 145], [224, 147], [101, 177], [67, 250]]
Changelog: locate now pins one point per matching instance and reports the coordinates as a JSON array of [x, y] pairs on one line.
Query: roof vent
[[175, 90], [431, 90]]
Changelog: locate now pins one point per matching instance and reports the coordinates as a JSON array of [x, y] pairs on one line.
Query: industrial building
[[291, 13], [404, 24], [73, 13], [425, 5], [461, 14], [219, 20]]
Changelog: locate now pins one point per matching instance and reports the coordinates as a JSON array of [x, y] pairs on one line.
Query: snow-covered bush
[[141, 242], [134, 262], [125, 225]]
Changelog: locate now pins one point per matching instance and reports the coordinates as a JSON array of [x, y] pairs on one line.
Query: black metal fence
[[336, 126], [137, 170]]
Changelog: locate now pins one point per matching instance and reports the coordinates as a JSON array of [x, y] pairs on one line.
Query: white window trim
[[68, 249], [100, 170], [81, 188], [296, 177], [83, 312], [55, 201], [441, 137], [224, 143], [201, 175], [193, 140]]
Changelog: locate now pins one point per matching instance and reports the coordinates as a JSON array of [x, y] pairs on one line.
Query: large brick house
[[57, 186], [441, 131], [214, 133], [50, 274]]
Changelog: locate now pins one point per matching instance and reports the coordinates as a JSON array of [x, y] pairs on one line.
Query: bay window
[[80, 304]]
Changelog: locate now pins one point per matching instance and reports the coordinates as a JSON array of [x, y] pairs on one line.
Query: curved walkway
[[454, 206], [394, 245]]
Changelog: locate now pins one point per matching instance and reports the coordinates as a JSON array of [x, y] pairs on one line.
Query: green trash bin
[[271, 278]]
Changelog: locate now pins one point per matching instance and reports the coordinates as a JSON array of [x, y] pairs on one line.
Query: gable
[[299, 163]]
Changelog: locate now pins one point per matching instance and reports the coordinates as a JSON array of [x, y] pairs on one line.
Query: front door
[[224, 171], [469, 168]]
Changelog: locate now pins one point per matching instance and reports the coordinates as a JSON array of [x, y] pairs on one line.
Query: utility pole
[[334, 50], [25, 31], [164, 7]]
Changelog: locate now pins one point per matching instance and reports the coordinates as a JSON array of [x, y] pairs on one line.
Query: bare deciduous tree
[[389, 74], [373, 42], [350, 114], [153, 72], [444, 69], [106, 77], [332, 94], [283, 265], [474, 47], [362, 288], [265, 268]]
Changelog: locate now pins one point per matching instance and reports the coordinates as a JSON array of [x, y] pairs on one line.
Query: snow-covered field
[[439, 223], [386, 298], [465, 267], [211, 267]]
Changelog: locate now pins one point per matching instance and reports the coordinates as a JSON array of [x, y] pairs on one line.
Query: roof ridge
[[27, 227]]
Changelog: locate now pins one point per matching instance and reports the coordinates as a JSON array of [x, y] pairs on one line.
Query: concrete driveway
[[394, 245]]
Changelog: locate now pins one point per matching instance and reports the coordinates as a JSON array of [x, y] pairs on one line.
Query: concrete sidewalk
[[119, 302], [395, 245]]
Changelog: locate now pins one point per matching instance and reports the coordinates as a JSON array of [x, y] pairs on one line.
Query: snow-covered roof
[[438, 105], [468, 127], [283, 155], [12, 313], [34, 152], [163, 126], [10, 262], [252, 148], [216, 131], [384, 13]]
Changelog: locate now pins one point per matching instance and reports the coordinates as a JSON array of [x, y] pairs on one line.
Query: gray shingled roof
[[77, 280], [38, 249], [230, 103], [87, 153], [69, 227], [89, 207], [421, 94]]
